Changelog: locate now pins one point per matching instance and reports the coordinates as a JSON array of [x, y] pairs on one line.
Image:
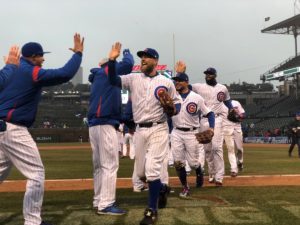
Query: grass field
[[77, 163], [278, 205]]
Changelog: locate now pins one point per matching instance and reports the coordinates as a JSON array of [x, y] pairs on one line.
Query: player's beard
[[211, 82], [147, 69]]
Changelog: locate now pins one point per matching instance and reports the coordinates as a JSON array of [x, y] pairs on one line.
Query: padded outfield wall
[[59, 135]]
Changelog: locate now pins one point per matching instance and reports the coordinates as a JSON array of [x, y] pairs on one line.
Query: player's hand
[[115, 51], [180, 67], [13, 56], [78, 43]]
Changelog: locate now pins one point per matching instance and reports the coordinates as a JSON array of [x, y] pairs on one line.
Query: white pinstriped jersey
[[191, 108], [214, 96], [145, 101]]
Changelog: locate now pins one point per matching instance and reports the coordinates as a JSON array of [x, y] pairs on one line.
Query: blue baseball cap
[[211, 71], [181, 77], [150, 52], [297, 113], [32, 49]]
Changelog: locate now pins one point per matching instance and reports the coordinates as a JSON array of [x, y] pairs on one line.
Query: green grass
[[209, 205], [77, 163]]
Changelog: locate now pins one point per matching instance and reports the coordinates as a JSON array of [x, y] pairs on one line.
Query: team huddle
[[166, 117]]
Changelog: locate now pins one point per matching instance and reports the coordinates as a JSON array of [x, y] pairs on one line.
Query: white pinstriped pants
[[105, 146], [19, 149], [152, 151], [214, 150]]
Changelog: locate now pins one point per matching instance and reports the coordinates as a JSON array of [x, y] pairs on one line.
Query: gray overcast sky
[[224, 34]]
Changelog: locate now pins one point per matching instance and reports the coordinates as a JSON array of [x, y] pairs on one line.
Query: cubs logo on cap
[[191, 108], [158, 90]]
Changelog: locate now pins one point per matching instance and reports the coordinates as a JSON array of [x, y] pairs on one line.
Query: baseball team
[[198, 116]]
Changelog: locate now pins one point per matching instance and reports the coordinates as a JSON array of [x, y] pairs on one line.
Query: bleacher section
[[291, 62], [61, 115]]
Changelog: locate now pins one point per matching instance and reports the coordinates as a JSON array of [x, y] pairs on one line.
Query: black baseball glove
[[233, 116]]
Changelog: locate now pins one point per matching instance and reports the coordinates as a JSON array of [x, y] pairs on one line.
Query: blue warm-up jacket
[[6, 73], [105, 99], [20, 97]]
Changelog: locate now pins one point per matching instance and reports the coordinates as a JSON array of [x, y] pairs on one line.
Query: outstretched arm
[[114, 79], [49, 77]]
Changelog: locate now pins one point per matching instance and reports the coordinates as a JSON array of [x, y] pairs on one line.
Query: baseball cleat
[[233, 174], [211, 179], [150, 217], [185, 193], [163, 196], [111, 210], [219, 183], [144, 188]]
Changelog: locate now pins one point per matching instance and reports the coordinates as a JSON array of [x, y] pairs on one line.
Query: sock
[[181, 173], [154, 189]]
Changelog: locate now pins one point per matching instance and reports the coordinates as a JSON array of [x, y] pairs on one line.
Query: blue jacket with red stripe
[[20, 97], [105, 99]]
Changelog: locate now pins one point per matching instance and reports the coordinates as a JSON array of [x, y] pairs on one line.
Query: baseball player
[[104, 119], [186, 124], [214, 95], [19, 101], [233, 137], [152, 95], [294, 126]]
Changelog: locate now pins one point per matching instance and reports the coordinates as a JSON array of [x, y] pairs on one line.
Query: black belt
[[186, 129], [149, 124]]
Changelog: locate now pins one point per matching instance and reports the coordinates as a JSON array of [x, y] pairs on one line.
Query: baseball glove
[[166, 102], [204, 137], [233, 116]]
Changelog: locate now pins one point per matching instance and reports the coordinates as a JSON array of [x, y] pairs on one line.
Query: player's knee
[[178, 165]]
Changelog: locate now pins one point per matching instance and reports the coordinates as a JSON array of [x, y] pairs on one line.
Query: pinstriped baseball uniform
[[214, 96], [184, 143], [150, 142], [233, 137], [19, 102], [105, 146]]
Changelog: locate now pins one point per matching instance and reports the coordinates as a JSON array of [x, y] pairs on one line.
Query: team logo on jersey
[[159, 89], [191, 108], [221, 96]]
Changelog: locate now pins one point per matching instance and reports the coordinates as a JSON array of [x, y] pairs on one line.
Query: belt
[[149, 124], [186, 129]]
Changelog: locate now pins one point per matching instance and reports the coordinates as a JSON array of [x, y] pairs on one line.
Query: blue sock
[[154, 189]]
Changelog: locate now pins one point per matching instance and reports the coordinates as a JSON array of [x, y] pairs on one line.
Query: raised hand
[[13, 56], [78, 43], [115, 51], [180, 67]]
